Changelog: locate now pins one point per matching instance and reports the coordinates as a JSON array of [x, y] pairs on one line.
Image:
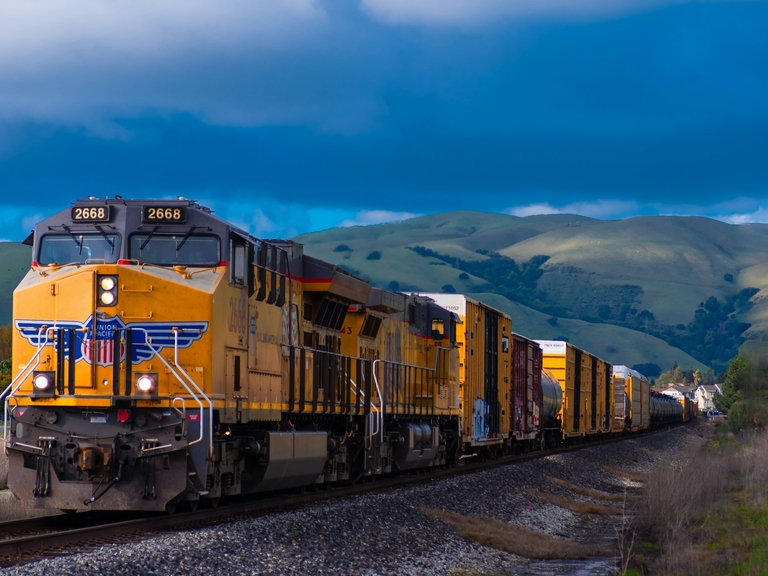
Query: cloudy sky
[[301, 115]]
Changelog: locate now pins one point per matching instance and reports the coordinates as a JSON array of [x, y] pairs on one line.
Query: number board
[[159, 214], [92, 214]]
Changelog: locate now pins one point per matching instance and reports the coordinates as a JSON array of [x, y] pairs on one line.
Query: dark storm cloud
[[385, 106]]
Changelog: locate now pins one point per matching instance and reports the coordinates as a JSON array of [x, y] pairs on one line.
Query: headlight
[[43, 383], [107, 290], [146, 384]]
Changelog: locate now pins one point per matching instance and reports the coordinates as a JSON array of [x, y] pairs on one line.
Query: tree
[[709, 377], [672, 376], [375, 255], [394, 286], [649, 369], [448, 289], [6, 337], [342, 248], [5, 373], [737, 382], [697, 377]]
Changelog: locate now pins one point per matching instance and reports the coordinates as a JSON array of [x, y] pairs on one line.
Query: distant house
[[705, 396], [678, 392]]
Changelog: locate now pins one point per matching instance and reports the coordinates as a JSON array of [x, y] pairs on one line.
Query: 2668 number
[[91, 213], [164, 214]]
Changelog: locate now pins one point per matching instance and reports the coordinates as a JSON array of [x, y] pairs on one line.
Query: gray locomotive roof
[[127, 215]]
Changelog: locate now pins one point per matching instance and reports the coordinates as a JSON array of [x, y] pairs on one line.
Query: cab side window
[[237, 264], [438, 329]]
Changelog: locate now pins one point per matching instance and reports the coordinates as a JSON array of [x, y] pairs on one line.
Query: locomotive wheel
[[173, 505]]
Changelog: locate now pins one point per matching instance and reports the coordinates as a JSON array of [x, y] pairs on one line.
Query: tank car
[[665, 410], [162, 355], [551, 410]]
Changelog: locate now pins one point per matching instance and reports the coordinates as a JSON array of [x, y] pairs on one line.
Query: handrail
[[378, 388], [194, 384], [181, 380], [372, 431], [19, 380]]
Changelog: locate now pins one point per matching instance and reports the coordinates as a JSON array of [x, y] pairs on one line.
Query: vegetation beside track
[[708, 514]]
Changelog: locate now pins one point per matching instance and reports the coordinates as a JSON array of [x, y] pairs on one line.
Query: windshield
[[175, 250], [78, 247]]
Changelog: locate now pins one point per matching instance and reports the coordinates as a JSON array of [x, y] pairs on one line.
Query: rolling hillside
[[629, 290], [626, 280]]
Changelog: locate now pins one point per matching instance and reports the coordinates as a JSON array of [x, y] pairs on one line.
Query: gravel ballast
[[386, 533]]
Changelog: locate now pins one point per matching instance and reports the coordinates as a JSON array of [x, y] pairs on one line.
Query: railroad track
[[31, 539]]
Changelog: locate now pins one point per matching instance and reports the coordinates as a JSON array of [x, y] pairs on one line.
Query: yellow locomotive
[[163, 355]]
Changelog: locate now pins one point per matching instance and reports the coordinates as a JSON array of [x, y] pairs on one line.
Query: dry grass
[[573, 505], [707, 512], [597, 494], [510, 538], [626, 474]]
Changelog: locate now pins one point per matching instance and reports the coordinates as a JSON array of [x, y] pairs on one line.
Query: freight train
[[162, 355]]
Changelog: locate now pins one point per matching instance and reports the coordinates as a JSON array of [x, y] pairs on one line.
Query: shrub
[[728, 278], [552, 321], [375, 255], [448, 288], [342, 248], [650, 370], [463, 276]]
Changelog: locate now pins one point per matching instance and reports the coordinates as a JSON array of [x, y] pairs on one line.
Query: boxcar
[[525, 397], [587, 388], [484, 341], [638, 390]]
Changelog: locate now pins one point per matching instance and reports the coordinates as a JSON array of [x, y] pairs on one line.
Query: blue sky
[[301, 115]]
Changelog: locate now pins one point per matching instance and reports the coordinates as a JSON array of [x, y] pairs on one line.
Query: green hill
[[14, 264], [629, 290], [629, 279]]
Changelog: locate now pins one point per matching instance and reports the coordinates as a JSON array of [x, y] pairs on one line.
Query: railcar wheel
[[213, 502], [172, 505], [192, 505]]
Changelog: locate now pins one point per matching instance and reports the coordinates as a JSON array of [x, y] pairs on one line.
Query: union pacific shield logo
[[97, 345]]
